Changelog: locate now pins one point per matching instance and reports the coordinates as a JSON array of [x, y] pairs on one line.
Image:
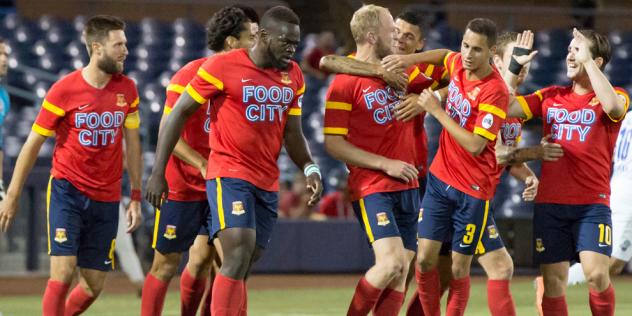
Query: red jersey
[[479, 107], [510, 131], [586, 133], [88, 123], [334, 205], [185, 181], [361, 108], [248, 116], [420, 77]]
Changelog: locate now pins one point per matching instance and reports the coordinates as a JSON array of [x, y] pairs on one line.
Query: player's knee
[[63, 273], [501, 270], [460, 271], [598, 279], [198, 268], [164, 270], [426, 262], [391, 268], [93, 289], [236, 263]]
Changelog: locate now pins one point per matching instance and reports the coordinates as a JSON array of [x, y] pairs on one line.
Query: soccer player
[[5, 105], [383, 178], [91, 110], [184, 214], [572, 208], [459, 187], [255, 107], [621, 205]]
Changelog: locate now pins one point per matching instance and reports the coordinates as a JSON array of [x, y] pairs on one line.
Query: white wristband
[[438, 95], [312, 168]]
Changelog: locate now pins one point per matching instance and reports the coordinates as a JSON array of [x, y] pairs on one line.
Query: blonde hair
[[364, 20]]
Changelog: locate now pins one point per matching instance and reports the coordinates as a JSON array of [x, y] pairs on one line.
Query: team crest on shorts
[[421, 215], [238, 208], [382, 219], [539, 245], [60, 235], [492, 231], [285, 78], [120, 100], [170, 232]]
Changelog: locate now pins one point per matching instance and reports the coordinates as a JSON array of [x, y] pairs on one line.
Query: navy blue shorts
[[79, 226], [561, 231], [237, 203], [491, 239], [177, 224], [389, 214], [448, 214]]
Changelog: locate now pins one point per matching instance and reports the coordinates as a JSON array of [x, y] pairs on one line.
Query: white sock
[[576, 274]]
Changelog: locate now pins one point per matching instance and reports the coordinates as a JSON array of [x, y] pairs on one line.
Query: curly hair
[[224, 23]]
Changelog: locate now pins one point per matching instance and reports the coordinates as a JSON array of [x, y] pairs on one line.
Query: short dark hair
[[228, 21], [98, 27], [414, 17], [485, 27], [503, 40], [279, 14], [599, 46], [249, 12]]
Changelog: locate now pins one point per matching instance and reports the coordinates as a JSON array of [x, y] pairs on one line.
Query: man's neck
[[366, 52], [478, 74], [257, 55], [582, 85], [95, 76]]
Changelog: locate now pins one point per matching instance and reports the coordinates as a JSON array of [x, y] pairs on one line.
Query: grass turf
[[323, 301]]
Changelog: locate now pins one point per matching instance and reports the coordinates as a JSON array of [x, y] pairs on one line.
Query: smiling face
[[408, 38], [385, 35]]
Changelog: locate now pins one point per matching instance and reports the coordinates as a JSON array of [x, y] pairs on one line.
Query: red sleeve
[[425, 76], [338, 104], [208, 79], [532, 104], [174, 90], [450, 61], [492, 111], [52, 111], [297, 103], [132, 119]]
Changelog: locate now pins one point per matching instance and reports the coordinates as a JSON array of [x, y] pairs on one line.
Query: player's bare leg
[[215, 264], [554, 277], [427, 276], [616, 266], [499, 269], [86, 292], [229, 289], [390, 268], [596, 269], [62, 269], [163, 268]]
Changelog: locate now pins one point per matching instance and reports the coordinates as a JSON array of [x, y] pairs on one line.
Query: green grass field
[[322, 301]]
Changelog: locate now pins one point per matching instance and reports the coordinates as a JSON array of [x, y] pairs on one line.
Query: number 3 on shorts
[[605, 234], [469, 235]]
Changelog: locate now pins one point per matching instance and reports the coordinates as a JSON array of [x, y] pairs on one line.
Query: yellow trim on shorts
[[156, 223], [483, 229], [365, 219], [111, 253], [220, 205], [48, 191]]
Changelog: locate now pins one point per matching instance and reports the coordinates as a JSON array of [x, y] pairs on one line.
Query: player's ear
[[420, 44], [498, 61], [263, 35], [599, 62], [231, 42], [371, 38]]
